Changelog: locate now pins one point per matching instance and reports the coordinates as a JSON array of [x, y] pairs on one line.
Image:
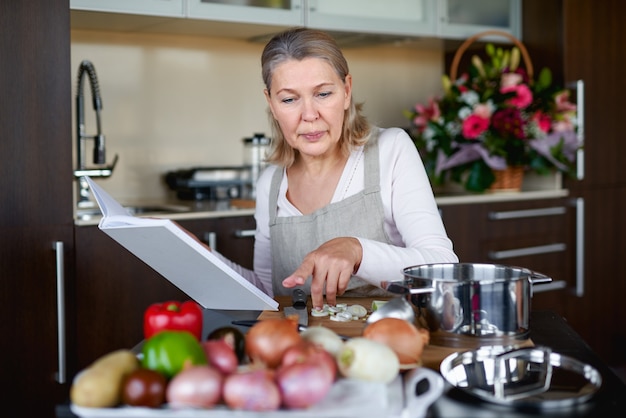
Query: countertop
[[192, 210], [547, 329], [220, 209]]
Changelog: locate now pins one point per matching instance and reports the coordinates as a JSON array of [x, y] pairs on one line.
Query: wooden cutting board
[[433, 353]]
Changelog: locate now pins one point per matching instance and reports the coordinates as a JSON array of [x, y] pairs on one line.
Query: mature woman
[[343, 205]]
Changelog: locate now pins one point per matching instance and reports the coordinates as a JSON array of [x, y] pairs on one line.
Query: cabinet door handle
[[579, 85], [520, 252], [244, 233], [60, 275], [211, 239], [580, 247], [526, 213]]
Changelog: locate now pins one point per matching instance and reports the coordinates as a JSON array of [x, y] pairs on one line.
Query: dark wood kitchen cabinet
[[36, 210], [231, 236], [584, 40], [113, 287], [536, 234]]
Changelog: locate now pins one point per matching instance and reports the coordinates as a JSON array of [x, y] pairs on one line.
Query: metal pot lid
[[530, 376]]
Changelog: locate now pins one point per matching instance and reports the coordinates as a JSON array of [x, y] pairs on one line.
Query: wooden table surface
[[433, 353]]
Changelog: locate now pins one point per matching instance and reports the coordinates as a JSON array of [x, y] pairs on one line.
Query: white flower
[[428, 134], [465, 112], [453, 128], [470, 97]]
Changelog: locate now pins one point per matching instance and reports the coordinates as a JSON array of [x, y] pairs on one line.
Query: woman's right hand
[[330, 266]]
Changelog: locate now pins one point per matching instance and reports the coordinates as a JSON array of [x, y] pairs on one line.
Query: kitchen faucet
[[99, 150]]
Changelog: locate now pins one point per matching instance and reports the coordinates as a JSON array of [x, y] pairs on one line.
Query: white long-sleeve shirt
[[411, 217]]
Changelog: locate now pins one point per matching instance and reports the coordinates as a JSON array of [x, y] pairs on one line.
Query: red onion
[[303, 384], [221, 355], [252, 390], [195, 386], [267, 340], [307, 351]]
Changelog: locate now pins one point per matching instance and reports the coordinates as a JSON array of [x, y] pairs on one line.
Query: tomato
[[144, 387]]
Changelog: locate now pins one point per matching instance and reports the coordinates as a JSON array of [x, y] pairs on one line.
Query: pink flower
[[523, 96], [562, 102], [543, 121], [426, 113], [510, 80], [563, 125], [474, 125], [482, 110]]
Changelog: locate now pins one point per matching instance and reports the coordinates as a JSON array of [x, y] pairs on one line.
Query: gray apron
[[360, 215]]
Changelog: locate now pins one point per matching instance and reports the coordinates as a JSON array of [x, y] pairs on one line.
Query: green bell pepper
[[168, 352]]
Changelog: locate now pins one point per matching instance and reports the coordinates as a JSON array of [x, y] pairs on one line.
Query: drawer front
[[538, 235]]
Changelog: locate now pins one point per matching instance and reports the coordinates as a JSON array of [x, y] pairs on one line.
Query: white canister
[[254, 153]]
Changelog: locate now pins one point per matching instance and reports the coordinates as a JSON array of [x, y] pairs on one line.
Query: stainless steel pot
[[456, 300]]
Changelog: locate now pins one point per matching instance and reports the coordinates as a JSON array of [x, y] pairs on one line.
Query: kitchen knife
[[298, 307], [251, 322]]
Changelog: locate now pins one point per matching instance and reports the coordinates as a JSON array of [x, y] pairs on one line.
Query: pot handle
[[537, 278], [402, 289], [416, 404], [539, 356]]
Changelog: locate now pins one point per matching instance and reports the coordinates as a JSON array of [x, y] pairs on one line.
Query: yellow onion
[[404, 338], [267, 340]]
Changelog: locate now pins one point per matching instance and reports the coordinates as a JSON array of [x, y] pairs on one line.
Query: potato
[[100, 384]]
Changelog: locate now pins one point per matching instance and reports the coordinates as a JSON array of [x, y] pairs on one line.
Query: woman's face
[[308, 99]]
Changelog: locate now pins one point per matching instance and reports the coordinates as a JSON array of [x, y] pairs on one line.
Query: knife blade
[[298, 307], [252, 322]]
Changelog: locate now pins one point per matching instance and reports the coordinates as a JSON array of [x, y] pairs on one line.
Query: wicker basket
[[456, 60], [509, 180]]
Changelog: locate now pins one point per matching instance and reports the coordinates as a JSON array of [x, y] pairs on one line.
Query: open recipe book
[[177, 256]]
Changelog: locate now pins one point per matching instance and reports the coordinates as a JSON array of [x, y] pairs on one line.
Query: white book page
[[180, 258]]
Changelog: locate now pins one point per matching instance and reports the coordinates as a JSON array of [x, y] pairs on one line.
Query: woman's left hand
[[332, 264]]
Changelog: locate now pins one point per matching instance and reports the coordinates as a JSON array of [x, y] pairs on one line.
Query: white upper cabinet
[[167, 8], [394, 17], [452, 19], [264, 12], [460, 19]]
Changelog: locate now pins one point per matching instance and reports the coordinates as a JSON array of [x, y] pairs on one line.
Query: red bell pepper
[[173, 316]]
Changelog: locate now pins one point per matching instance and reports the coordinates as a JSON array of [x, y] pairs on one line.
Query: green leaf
[[545, 79], [490, 49], [480, 177], [506, 59]]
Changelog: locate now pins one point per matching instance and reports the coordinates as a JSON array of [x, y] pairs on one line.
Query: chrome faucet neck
[[99, 151]]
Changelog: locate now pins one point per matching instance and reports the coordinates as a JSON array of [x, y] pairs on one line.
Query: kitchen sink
[[135, 210], [150, 209]]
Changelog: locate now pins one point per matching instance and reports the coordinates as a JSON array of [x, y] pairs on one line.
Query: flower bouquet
[[493, 117]]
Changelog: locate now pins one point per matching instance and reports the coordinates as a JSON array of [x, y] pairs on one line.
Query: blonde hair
[[298, 44]]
